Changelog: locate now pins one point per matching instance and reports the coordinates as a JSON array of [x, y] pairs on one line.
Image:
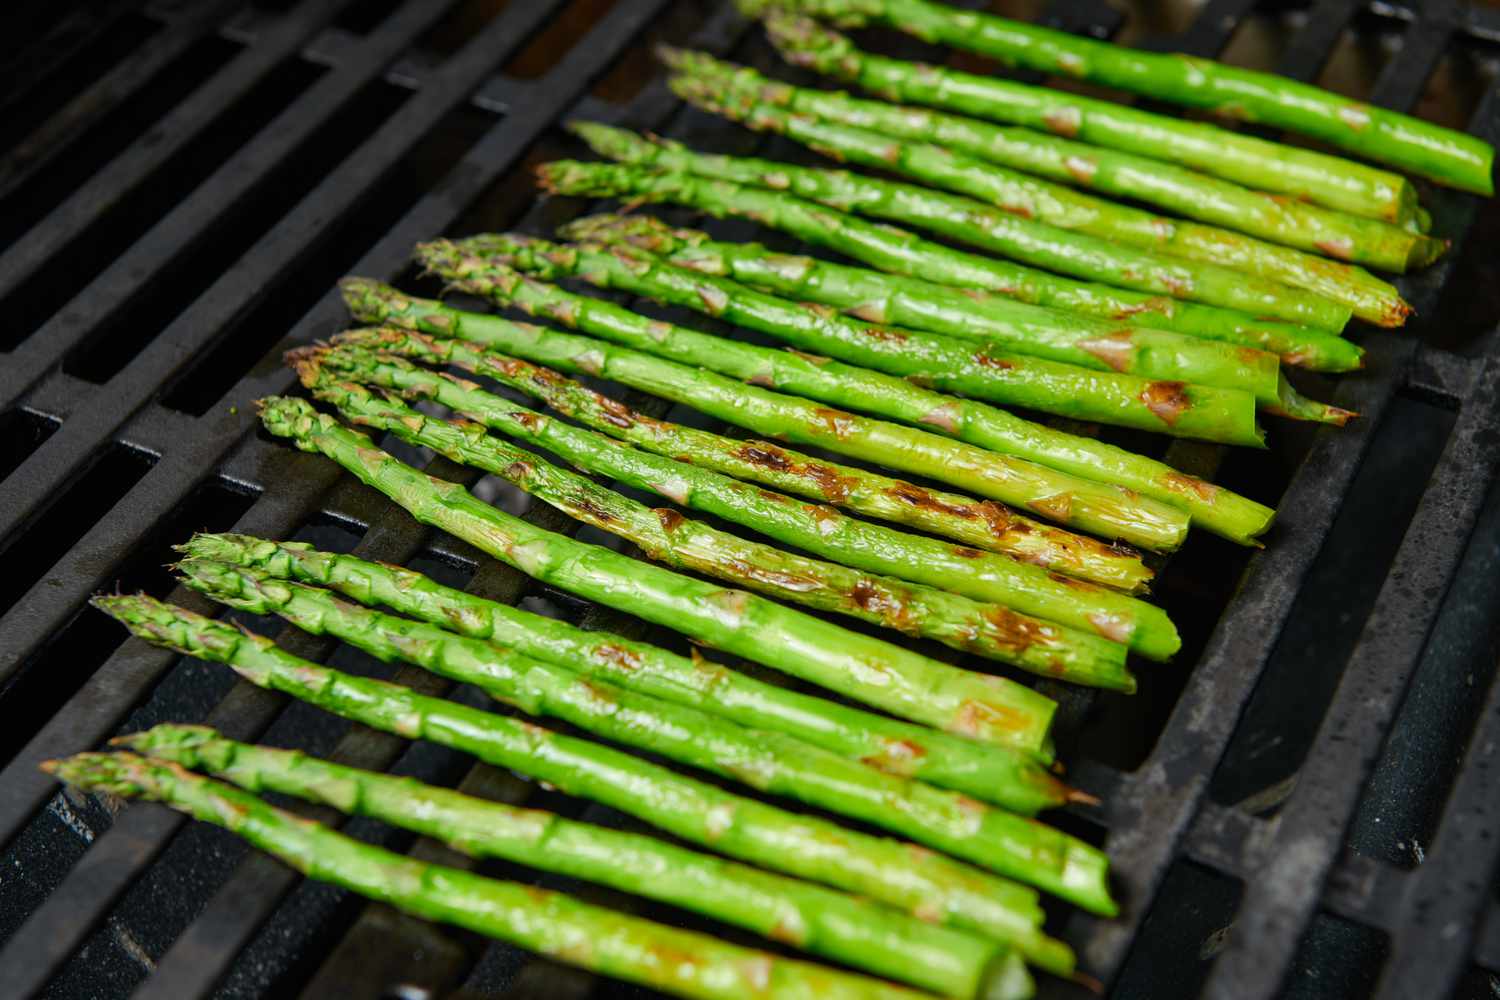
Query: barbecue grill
[[1304, 805]]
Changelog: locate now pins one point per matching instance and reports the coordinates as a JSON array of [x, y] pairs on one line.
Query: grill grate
[[1265, 836]]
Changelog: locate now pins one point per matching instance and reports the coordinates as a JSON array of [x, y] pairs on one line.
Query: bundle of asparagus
[[913, 302], [1009, 778], [1429, 150], [898, 680], [668, 537], [814, 529], [1068, 499], [766, 761], [1228, 296], [858, 933], [981, 524], [900, 252], [927, 884], [1179, 409], [947, 150], [590, 937]]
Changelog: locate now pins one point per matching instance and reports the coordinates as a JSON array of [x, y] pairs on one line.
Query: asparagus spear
[[982, 524], [1104, 510], [831, 924], [590, 937], [666, 536], [922, 882], [913, 302], [996, 774], [1180, 409], [901, 252], [811, 528], [971, 157], [864, 668], [1440, 154], [766, 761]]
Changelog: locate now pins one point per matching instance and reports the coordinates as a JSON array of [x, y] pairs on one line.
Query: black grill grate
[[1311, 835]]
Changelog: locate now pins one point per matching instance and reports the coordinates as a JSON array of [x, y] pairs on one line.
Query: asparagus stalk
[[864, 668], [1402, 141], [971, 157], [824, 922], [925, 883], [811, 528], [981, 524], [996, 774], [976, 316], [590, 937], [1153, 484], [901, 252], [1068, 499], [1178, 409], [766, 761], [1331, 181], [666, 536], [1054, 250]]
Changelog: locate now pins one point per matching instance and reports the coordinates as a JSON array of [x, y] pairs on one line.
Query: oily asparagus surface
[[924, 883], [997, 774], [770, 762], [946, 363], [1047, 254], [812, 528], [668, 537], [1251, 231], [900, 252], [1399, 140], [900, 681], [926, 305], [1159, 498], [1331, 181], [1065, 498], [973, 200], [825, 922], [550, 923], [984, 524]]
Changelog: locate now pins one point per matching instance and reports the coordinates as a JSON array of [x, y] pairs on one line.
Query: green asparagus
[[811, 528], [684, 963], [901, 252], [996, 774], [900, 681], [1231, 295], [927, 359], [1440, 154], [971, 157], [925, 305], [922, 882], [1068, 499], [769, 762], [980, 524], [855, 932], [1153, 484], [663, 534]]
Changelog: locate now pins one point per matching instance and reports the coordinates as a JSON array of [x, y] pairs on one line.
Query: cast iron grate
[[1287, 813]]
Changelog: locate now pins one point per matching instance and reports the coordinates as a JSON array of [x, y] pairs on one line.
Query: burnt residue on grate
[[1301, 806]]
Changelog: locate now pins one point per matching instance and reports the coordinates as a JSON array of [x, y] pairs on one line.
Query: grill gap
[[1337, 959], [22, 432], [42, 542], [1179, 939]]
